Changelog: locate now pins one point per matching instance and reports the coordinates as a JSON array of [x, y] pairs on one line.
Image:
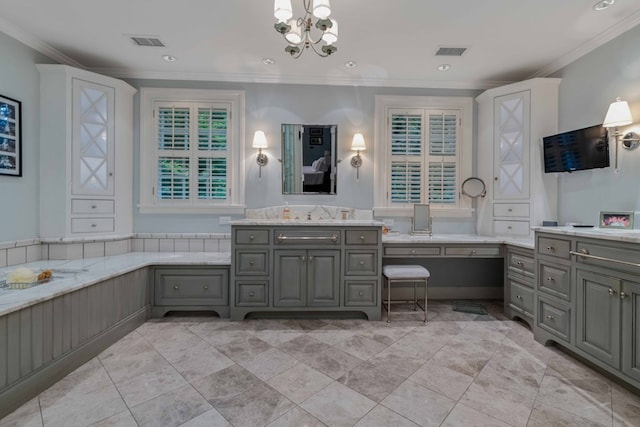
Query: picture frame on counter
[[621, 220], [10, 136]]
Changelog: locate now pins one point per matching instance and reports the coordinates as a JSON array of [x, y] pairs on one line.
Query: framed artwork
[[10, 137], [623, 220]]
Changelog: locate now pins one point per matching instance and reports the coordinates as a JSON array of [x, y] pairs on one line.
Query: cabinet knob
[[94, 225], [310, 259], [473, 251], [550, 279], [509, 210], [509, 227], [623, 295], [361, 262], [495, 178], [94, 206], [550, 317], [519, 263], [205, 287], [303, 259], [110, 173], [551, 248], [251, 237], [251, 294], [176, 287], [611, 292], [361, 293], [252, 262], [413, 251], [361, 237]]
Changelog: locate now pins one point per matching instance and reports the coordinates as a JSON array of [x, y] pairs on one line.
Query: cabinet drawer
[[555, 280], [252, 237], [360, 293], [511, 228], [521, 297], [511, 210], [522, 264], [252, 263], [412, 251], [364, 237], [191, 287], [85, 206], [619, 257], [252, 294], [554, 318], [92, 225], [361, 263], [553, 247], [471, 251]]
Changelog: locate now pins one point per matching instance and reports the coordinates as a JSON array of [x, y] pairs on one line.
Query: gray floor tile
[[337, 405], [171, 409], [419, 404]]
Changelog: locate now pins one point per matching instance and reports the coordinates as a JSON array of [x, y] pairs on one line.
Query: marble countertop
[[632, 236], [437, 239], [71, 275], [307, 222]]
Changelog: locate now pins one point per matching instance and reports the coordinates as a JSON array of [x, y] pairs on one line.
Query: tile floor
[[457, 370]]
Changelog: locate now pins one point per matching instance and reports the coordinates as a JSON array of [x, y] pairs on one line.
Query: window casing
[[191, 145], [423, 151]]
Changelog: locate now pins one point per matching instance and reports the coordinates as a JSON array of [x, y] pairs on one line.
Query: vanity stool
[[403, 274]]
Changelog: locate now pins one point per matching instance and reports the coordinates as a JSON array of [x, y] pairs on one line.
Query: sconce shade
[[618, 114], [259, 140], [282, 10], [358, 142]]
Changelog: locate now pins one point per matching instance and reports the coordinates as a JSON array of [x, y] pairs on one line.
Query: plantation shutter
[[192, 152], [424, 157]]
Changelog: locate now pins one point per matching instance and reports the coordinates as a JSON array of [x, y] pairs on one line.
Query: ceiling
[[392, 42]]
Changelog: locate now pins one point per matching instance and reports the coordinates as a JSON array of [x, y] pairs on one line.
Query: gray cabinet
[[190, 288], [305, 268], [631, 329], [519, 296]]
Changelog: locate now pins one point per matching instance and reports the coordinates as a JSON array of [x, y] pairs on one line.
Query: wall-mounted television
[[580, 149]]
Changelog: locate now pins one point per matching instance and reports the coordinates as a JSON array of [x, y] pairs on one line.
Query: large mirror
[[309, 159]]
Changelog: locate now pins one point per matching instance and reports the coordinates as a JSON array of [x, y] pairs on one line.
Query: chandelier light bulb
[[282, 10], [294, 36], [330, 35], [321, 9]]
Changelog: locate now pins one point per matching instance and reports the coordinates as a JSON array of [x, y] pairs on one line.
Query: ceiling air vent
[[451, 51], [147, 41]]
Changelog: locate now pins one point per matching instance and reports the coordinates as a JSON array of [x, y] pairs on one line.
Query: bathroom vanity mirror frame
[[309, 159], [473, 187], [421, 223]]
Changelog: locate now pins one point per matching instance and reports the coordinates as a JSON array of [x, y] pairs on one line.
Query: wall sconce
[[619, 114], [260, 142], [357, 145]]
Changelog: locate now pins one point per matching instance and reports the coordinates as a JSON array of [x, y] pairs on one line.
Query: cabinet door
[[631, 329], [323, 276], [598, 316], [290, 278], [511, 145], [92, 139]]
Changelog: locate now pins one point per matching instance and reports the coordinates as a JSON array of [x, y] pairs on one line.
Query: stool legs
[[388, 301], [415, 299]]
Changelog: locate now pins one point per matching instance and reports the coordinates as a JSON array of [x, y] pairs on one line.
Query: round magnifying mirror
[[474, 187]]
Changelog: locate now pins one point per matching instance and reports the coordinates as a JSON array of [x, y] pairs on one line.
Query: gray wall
[[267, 107], [589, 85], [19, 196]]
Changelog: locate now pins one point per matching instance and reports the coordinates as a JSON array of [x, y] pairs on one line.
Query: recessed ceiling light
[[268, 61], [350, 64], [603, 4], [169, 58], [444, 67]]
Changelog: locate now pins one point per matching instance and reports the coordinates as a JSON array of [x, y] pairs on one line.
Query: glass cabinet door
[[93, 138], [511, 162]]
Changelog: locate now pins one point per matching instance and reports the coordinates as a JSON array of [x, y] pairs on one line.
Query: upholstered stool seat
[[405, 274]]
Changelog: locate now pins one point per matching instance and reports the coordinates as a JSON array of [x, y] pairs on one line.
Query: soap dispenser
[[286, 212]]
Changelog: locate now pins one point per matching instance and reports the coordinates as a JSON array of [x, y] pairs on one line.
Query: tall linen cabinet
[[86, 150], [512, 120]]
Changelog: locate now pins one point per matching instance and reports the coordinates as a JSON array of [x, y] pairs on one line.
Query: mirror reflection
[[308, 159], [421, 219]]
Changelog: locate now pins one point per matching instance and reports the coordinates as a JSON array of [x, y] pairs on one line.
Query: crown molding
[[604, 37], [35, 43]]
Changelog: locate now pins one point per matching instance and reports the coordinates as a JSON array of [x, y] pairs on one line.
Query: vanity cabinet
[[519, 296], [305, 267], [588, 298], [86, 127], [512, 120], [190, 288]]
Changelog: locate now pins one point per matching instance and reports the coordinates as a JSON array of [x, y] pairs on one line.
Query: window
[[191, 148], [424, 150]]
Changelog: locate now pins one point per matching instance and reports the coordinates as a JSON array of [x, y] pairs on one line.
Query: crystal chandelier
[[297, 32]]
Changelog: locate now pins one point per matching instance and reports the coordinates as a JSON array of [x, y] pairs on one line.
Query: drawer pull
[[550, 279], [361, 237], [519, 296], [361, 262], [473, 251], [251, 294], [310, 259], [585, 254], [611, 292], [94, 206], [623, 295], [303, 259], [283, 238], [550, 317], [252, 262], [205, 287], [519, 263], [551, 248], [94, 225], [509, 210], [509, 227], [176, 287], [361, 293], [251, 237], [413, 251]]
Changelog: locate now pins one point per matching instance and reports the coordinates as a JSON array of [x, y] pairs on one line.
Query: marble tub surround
[[458, 369], [632, 236], [70, 275], [317, 212]]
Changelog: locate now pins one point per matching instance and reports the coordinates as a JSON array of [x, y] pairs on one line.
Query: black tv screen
[[576, 150]]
